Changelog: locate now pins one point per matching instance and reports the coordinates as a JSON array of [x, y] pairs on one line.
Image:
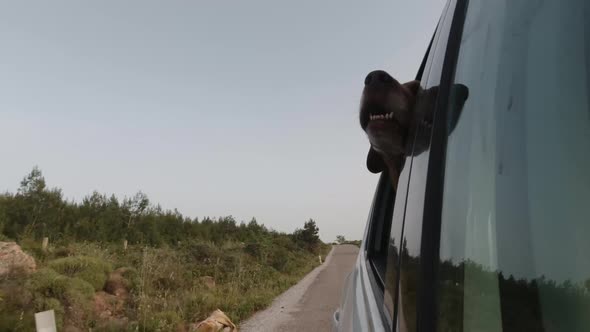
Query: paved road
[[309, 305]]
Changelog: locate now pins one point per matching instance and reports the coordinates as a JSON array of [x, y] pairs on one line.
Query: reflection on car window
[[515, 223], [408, 247], [380, 227]]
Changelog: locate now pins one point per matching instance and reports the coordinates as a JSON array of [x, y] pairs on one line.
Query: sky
[[215, 108]]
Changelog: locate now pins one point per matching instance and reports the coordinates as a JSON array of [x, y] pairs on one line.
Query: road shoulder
[[282, 308]]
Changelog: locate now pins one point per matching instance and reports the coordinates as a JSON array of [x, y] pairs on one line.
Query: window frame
[[433, 200], [376, 220], [380, 205], [455, 10]]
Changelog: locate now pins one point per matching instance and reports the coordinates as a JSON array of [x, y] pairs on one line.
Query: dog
[[391, 114]]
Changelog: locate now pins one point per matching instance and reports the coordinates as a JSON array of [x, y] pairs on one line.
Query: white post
[[320, 258], [124, 244], [45, 243], [45, 321]]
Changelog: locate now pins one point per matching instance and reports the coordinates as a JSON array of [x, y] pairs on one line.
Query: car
[[489, 229]]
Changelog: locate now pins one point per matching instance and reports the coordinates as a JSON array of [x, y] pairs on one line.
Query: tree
[[33, 183], [136, 206], [37, 211], [340, 239], [308, 236]]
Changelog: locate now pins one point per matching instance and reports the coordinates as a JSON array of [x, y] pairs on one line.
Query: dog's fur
[[386, 116], [392, 113]]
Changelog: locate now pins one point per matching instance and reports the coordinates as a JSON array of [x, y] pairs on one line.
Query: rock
[[216, 322], [208, 281], [13, 259]]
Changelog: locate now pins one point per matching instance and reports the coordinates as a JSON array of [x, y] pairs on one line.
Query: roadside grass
[[167, 287]]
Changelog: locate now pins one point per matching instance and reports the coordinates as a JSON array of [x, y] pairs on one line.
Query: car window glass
[[412, 226], [393, 257], [380, 227], [514, 234]]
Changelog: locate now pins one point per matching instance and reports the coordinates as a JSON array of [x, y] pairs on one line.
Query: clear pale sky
[[243, 108]]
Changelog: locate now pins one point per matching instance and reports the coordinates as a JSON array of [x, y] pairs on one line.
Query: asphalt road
[[309, 305]]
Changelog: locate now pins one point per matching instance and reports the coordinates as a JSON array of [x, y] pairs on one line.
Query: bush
[[161, 322], [279, 259], [50, 290], [131, 278], [203, 252], [15, 312], [90, 269], [254, 249], [43, 304], [50, 284]]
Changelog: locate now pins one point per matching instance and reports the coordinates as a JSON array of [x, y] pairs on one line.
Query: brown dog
[[392, 113], [386, 116]]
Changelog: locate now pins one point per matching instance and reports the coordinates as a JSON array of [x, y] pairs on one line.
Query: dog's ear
[[413, 87], [375, 163]]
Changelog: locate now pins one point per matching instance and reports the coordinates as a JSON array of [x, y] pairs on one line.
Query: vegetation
[[174, 271], [340, 239]]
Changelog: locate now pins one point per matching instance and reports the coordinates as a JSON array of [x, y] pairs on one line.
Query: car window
[[407, 246], [387, 220], [380, 227], [515, 219]]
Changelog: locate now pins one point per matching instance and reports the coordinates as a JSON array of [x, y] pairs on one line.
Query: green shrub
[[17, 320], [43, 304], [15, 313], [161, 322], [279, 259], [204, 252], [90, 269], [132, 280], [50, 284], [198, 305], [254, 249], [70, 297], [63, 252]]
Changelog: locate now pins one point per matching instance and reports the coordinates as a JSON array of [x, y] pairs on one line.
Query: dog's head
[[385, 115]]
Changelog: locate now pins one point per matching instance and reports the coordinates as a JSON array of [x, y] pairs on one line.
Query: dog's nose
[[377, 78]]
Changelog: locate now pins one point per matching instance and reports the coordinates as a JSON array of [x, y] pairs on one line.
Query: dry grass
[[165, 288]]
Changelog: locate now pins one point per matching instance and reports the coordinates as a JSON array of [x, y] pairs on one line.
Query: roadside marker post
[[45, 321]]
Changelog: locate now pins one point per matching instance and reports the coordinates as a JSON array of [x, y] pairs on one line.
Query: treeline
[[36, 211]]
